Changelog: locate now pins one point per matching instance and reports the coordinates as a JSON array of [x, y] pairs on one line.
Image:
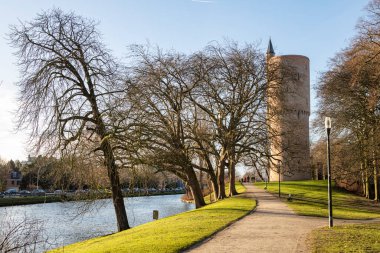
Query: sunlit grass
[[210, 197], [171, 234], [310, 198], [347, 238]]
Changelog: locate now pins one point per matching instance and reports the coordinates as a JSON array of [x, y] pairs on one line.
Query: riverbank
[[30, 200], [18, 201], [171, 234]]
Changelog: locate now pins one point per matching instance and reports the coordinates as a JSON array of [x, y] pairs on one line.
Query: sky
[[316, 29]]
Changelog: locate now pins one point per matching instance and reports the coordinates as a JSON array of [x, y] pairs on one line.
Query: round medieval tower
[[288, 116]]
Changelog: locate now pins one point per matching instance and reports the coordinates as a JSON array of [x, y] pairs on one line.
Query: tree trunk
[[323, 172], [232, 183], [221, 185], [259, 174], [366, 179], [202, 165], [374, 157], [363, 179], [117, 195], [213, 177], [109, 161], [214, 182], [376, 197], [231, 171], [201, 179], [195, 189]]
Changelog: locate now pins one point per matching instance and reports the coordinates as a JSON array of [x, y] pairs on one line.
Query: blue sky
[[317, 29]]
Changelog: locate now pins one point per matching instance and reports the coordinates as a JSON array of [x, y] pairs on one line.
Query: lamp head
[[328, 123]]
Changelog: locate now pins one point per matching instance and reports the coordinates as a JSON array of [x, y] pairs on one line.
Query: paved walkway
[[273, 227]]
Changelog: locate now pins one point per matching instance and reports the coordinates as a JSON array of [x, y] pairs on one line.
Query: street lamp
[[328, 130]]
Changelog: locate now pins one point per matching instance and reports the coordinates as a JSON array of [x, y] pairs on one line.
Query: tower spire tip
[[270, 50]]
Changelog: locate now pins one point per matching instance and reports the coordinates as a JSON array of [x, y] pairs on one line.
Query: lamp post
[[328, 130]]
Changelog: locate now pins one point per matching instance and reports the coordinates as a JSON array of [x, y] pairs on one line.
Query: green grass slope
[[171, 234], [310, 198], [348, 238]]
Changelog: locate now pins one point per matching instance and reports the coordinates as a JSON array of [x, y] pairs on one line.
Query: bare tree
[[232, 95], [161, 85], [25, 235], [368, 37], [68, 82], [349, 93], [202, 132]]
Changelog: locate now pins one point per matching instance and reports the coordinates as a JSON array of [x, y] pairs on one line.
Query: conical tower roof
[[270, 49]]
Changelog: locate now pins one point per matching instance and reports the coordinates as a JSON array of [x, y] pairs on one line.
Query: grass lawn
[[171, 234], [310, 198], [347, 238], [210, 197]]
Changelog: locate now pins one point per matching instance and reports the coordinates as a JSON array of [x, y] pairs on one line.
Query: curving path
[[273, 227]]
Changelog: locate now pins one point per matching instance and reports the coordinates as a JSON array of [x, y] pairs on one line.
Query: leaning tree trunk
[[195, 188], [113, 174], [117, 195], [259, 174]]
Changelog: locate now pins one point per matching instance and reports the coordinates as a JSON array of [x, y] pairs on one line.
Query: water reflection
[[65, 224]]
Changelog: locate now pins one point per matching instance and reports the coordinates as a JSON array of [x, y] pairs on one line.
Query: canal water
[[69, 222]]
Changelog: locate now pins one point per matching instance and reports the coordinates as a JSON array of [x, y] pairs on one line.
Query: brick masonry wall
[[290, 146]]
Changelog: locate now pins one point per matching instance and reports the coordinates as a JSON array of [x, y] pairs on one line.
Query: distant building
[[30, 160], [14, 177], [13, 180]]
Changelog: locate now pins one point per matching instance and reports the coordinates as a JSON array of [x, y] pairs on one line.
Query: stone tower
[[288, 116]]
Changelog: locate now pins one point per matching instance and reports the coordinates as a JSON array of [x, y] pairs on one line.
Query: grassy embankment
[[310, 198], [347, 238], [170, 234]]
